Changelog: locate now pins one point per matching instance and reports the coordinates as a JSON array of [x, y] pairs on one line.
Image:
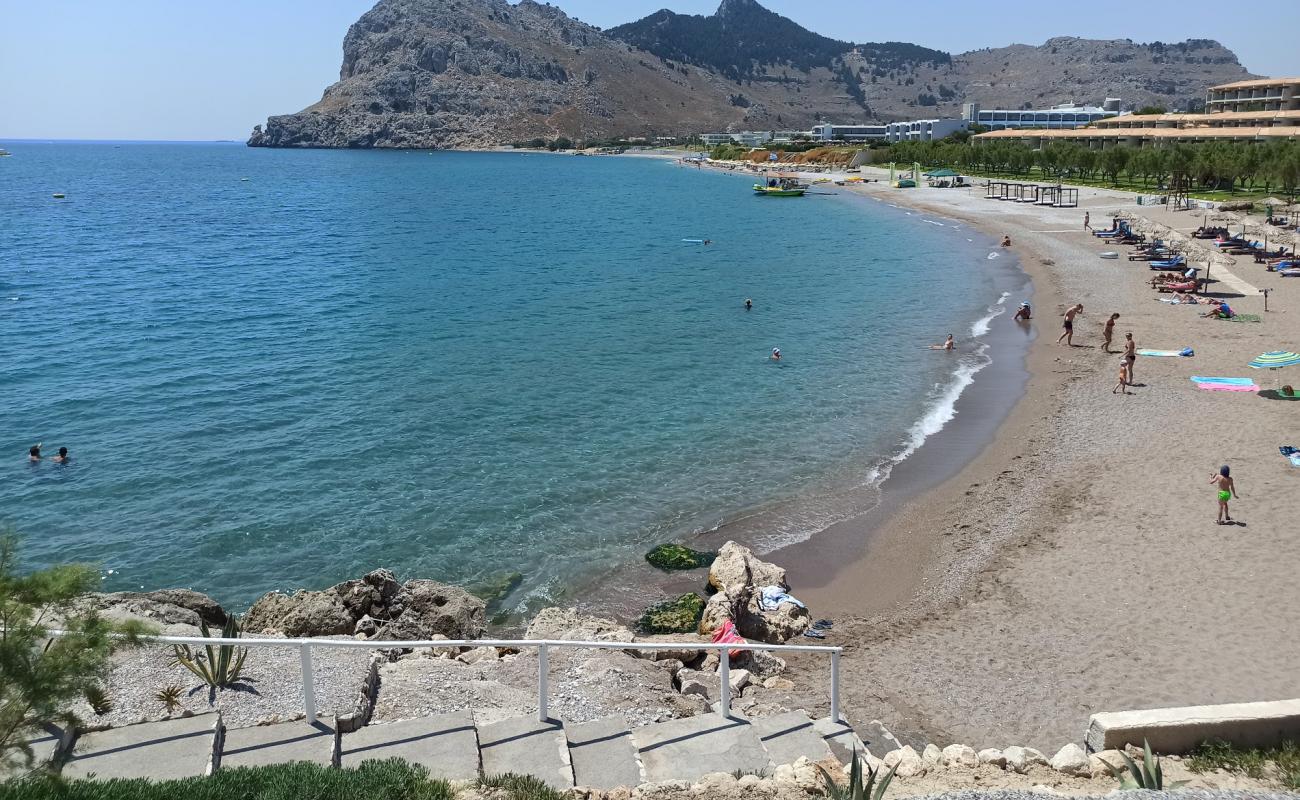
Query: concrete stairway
[[602, 754]]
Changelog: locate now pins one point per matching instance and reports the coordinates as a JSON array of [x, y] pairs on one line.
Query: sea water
[[281, 369]]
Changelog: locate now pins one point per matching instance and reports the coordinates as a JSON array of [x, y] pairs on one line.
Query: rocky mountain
[[472, 73]]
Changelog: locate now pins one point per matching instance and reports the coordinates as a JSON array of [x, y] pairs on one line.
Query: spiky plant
[[170, 697], [222, 665], [98, 700], [860, 787], [1147, 776]]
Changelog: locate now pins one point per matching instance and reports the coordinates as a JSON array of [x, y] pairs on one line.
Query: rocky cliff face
[[473, 73]]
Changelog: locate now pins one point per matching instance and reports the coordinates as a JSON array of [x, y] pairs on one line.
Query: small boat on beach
[[780, 186]]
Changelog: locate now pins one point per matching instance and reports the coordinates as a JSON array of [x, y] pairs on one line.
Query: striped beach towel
[[1225, 384], [1186, 351]]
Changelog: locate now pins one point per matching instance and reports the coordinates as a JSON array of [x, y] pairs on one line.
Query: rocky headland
[[482, 73]]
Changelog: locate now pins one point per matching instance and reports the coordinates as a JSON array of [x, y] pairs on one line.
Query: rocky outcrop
[[373, 607], [568, 624], [739, 577], [475, 73], [166, 608]]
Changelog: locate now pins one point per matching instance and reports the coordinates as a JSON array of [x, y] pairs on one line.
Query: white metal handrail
[[543, 646]]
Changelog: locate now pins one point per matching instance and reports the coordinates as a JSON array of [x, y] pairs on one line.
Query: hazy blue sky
[[211, 69]]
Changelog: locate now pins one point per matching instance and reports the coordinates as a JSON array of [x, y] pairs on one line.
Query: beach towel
[[1291, 454], [1225, 384], [727, 635], [1244, 318], [770, 597], [1175, 302], [1227, 381], [1186, 351]]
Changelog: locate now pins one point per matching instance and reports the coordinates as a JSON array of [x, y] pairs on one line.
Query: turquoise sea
[[278, 369]]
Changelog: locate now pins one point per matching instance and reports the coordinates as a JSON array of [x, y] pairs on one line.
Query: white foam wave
[[1003, 298], [981, 325], [932, 222], [992, 256]]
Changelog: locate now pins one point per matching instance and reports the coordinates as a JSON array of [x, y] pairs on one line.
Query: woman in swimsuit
[[1227, 491], [1130, 354], [1108, 332]]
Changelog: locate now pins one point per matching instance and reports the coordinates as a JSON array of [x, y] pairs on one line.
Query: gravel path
[[270, 690]]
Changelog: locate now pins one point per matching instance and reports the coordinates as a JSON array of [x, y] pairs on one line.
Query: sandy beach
[[1075, 566]]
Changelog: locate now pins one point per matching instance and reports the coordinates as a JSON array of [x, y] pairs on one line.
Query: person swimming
[[1006, 241], [749, 304], [776, 354], [62, 457], [35, 453], [1024, 313]]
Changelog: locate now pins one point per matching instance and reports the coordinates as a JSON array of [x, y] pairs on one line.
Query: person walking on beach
[[1123, 378], [1108, 332], [1068, 324], [1130, 355], [1227, 491], [1087, 220]]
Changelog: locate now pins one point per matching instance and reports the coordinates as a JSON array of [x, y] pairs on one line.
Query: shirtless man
[[1130, 355], [947, 345], [1227, 491], [1024, 313], [1068, 334], [1108, 332]]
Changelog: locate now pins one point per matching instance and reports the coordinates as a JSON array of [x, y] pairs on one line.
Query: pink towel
[[1226, 387]]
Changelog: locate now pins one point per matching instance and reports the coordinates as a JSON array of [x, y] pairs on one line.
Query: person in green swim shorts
[[1227, 491]]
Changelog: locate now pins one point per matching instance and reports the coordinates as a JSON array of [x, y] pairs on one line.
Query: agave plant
[[1148, 776], [859, 788], [222, 665], [170, 697], [98, 700]]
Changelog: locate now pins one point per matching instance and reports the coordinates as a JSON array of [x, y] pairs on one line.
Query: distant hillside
[[472, 73], [742, 38]]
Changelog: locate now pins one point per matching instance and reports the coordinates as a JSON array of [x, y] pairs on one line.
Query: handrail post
[[724, 672], [308, 684], [543, 668], [835, 686]]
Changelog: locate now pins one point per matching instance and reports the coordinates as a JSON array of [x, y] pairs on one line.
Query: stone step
[[446, 744], [169, 750], [788, 737], [877, 738], [842, 739], [686, 749], [279, 744], [603, 755], [45, 743], [527, 746]]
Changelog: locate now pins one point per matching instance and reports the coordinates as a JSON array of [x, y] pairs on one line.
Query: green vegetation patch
[[1280, 763], [673, 616], [674, 557], [393, 779], [495, 589], [521, 787]]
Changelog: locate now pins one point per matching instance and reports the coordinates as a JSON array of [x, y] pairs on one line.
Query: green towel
[[1247, 318]]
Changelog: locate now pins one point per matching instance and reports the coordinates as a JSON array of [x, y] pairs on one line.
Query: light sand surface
[[1075, 566]]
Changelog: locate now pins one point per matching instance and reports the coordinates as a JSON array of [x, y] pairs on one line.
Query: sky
[[211, 69]]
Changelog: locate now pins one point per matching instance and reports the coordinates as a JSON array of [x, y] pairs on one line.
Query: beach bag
[[727, 635]]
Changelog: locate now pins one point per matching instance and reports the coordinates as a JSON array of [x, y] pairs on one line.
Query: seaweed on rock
[[673, 616], [673, 557]]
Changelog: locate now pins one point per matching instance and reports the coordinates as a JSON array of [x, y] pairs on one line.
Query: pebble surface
[[270, 690], [1181, 794]]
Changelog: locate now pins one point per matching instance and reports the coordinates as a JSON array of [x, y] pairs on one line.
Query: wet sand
[[1074, 566]]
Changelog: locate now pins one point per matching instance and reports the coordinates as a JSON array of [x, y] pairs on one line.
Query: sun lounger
[[1170, 263]]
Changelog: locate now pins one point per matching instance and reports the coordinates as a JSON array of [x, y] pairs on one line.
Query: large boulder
[[372, 595], [165, 607], [430, 607], [778, 626], [737, 565], [1020, 759], [301, 614], [569, 625], [1072, 760]]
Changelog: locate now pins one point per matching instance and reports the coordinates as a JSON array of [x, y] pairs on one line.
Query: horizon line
[[57, 140]]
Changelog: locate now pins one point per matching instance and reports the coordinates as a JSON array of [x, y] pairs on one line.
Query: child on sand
[[1123, 378], [1227, 491]]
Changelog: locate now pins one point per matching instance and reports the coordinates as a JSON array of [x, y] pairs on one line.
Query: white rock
[[739, 679], [1098, 762], [960, 755], [992, 756], [784, 684], [784, 773], [932, 755], [908, 760], [696, 687], [1020, 759], [748, 780], [1071, 760], [478, 655]]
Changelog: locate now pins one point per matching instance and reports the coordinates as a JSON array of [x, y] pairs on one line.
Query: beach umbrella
[[1276, 360]]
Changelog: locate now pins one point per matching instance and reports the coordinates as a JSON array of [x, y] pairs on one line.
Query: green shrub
[[1253, 762], [860, 787], [521, 787], [673, 616], [217, 668], [374, 780], [1147, 776], [673, 557]]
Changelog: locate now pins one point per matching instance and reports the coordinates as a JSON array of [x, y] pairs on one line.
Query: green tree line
[[1213, 166]]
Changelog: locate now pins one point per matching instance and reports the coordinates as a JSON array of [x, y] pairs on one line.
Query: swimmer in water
[[35, 453], [62, 457], [708, 242], [1006, 241], [1024, 313], [776, 354], [749, 304], [948, 344]]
